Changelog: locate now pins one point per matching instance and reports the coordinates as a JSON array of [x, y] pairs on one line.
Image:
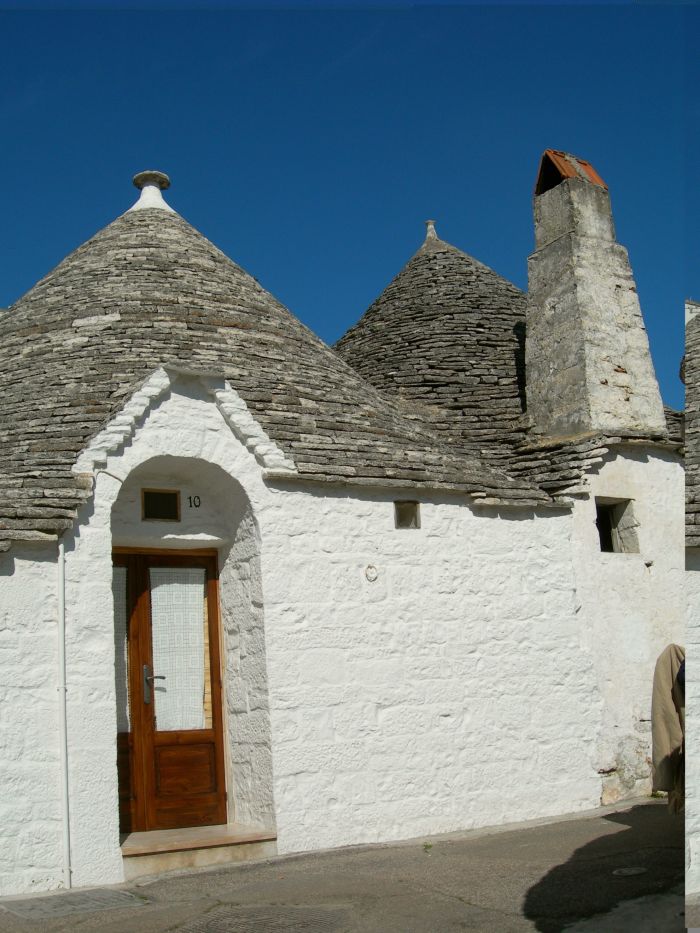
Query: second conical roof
[[448, 333]]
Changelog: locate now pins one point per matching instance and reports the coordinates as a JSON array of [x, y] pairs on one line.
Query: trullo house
[[258, 594]]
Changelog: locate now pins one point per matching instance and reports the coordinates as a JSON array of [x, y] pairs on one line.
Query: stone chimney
[[586, 354]]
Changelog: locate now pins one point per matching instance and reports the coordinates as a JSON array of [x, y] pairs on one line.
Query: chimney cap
[[556, 166]]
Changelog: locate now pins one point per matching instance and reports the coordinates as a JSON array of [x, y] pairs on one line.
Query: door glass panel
[[121, 665], [179, 632]]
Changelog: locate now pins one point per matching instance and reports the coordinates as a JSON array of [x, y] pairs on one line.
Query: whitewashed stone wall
[[631, 606], [30, 806], [414, 681], [692, 718], [453, 691]]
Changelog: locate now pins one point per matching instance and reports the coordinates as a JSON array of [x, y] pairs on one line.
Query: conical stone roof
[[149, 291], [448, 333]]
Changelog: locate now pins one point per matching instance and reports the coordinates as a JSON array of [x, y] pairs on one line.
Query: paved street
[[602, 872]]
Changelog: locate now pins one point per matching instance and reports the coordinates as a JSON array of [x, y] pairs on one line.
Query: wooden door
[[170, 732]]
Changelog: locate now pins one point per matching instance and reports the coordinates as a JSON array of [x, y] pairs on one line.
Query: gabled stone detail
[[249, 432], [234, 410], [123, 426]]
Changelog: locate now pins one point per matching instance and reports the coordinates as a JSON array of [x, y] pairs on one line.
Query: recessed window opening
[[407, 514], [160, 505], [617, 526]]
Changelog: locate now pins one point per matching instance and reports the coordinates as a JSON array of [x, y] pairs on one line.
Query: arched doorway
[[177, 525]]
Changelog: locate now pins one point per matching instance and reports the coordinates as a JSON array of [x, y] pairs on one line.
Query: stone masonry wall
[[587, 351]]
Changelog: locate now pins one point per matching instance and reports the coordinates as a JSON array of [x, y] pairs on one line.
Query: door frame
[[141, 741]]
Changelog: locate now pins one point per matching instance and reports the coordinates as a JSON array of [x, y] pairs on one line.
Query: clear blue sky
[[311, 144]]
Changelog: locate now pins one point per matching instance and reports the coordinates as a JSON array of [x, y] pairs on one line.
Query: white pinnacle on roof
[[430, 232], [151, 184]]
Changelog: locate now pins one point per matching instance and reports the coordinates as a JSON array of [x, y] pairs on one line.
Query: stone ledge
[[153, 853], [195, 837]]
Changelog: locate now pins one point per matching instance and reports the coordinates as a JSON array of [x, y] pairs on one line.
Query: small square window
[[160, 505], [407, 514], [617, 526]]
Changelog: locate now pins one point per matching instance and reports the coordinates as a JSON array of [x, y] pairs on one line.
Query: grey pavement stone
[[75, 902], [546, 876], [659, 913]]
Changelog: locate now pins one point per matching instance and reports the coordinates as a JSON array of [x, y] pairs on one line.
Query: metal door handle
[[148, 679]]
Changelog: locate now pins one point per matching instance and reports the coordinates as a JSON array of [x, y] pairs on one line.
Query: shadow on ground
[[652, 839]]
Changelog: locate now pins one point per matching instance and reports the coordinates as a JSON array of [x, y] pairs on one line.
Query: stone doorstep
[[151, 853], [193, 837]]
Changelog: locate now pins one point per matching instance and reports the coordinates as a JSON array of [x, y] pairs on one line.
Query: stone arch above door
[[215, 514], [211, 505]]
